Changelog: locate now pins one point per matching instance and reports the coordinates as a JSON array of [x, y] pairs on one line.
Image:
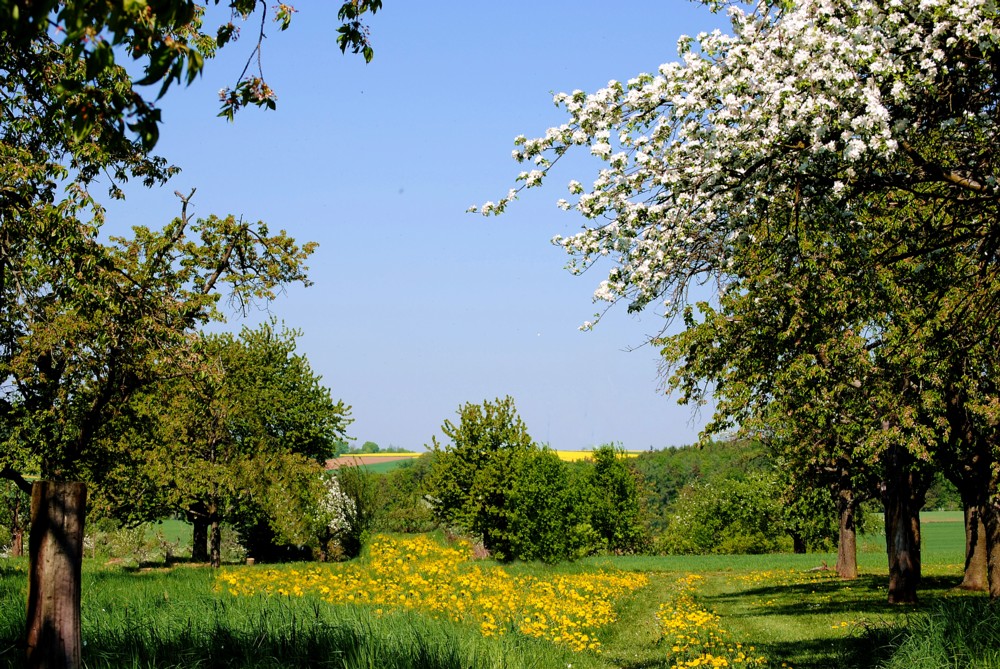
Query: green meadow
[[784, 607]]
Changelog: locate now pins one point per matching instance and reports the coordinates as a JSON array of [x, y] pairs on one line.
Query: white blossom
[[821, 90]]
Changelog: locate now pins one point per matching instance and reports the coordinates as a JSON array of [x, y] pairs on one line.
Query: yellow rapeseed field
[[574, 456], [419, 574]]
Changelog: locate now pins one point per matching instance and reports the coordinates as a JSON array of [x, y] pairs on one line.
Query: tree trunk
[[216, 541], [17, 530], [798, 544], [975, 577], [991, 531], [199, 539], [17, 543], [847, 541], [56, 553], [903, 498]]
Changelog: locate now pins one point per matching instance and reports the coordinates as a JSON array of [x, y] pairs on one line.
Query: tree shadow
[[874, 635]]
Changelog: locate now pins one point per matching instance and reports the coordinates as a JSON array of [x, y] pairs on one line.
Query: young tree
[[242, 438], [473, 474], [548, 512], [616, 508]]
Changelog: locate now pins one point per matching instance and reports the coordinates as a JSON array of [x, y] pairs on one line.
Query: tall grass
[[961, 633], [161, 618]]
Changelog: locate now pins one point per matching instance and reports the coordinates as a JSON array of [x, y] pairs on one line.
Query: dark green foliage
[[15, 510], [548, 518], [616, 509], [667, 471], [402, 506], [942, 495], [809, 516], [473, 474]]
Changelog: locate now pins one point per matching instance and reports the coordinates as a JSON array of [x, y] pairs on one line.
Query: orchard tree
[[821, 132], [86, 325], [241, 438], [74, 118]]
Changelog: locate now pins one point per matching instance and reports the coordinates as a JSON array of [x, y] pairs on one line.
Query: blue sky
[[419, 307]]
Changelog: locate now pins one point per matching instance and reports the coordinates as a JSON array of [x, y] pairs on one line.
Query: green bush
[[360, 511], [493, 482], [725, 516], [472, 475], [616, 509], [402, 506], [548, 516]]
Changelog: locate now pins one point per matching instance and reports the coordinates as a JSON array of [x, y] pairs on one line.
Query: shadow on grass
[[852, 652], [866, 594], [877, 628]]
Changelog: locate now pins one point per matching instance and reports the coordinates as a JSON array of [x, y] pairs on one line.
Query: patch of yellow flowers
[[419, 574], [785, 577], [695, 636]]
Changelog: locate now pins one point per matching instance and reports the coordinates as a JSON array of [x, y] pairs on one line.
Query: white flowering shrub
[[347, 511], [335, 507], [806, 107]]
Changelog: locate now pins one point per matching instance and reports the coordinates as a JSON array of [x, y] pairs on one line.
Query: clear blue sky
[[419, 307]]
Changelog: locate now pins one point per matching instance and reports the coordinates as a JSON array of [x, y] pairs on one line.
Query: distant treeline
[[369, 447]]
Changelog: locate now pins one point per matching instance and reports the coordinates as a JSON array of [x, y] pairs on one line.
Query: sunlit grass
[[771, 608]]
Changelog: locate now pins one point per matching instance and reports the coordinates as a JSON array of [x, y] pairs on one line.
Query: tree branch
[[11, 475]]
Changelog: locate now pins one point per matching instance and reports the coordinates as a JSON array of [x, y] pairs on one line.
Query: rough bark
[[967, 462], [56, 554], [17, 530], [215, 538], [847, 543], [974, 577], [903, 497], [991, 530], [17, 544], [199, 539]]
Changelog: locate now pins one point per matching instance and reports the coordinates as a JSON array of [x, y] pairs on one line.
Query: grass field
[[768, 611]]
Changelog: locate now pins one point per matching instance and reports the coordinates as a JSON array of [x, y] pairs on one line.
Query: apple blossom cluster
[[792, 112]]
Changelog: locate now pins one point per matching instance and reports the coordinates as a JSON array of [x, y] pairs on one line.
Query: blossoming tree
[[848, 137]]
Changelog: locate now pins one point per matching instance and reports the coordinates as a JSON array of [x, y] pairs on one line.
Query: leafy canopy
[[166, 38]]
